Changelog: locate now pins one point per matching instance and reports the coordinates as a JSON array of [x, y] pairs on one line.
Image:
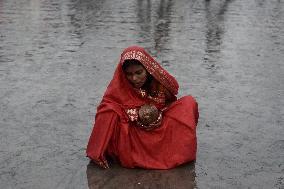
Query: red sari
[[115, 135]]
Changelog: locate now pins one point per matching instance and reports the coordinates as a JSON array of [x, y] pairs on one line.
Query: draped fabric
[[114, 135]]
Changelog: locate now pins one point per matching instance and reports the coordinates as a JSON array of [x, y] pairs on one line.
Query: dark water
[[56, 58]]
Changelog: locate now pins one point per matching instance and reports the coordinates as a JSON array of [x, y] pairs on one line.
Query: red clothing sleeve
[[103, 129]]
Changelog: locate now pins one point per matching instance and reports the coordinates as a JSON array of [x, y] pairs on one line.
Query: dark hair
[[129, 62]]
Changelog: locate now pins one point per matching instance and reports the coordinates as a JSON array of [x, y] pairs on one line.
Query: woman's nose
[[134, 78]]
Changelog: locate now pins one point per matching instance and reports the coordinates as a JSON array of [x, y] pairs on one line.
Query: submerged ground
[[56, 58]]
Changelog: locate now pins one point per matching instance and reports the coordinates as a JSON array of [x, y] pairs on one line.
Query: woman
[[140, 122]]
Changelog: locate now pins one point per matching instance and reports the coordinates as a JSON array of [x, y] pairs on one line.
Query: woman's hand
[[102, 163]]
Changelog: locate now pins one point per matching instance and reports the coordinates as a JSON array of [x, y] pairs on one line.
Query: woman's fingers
[[105, 163], [102, 163]]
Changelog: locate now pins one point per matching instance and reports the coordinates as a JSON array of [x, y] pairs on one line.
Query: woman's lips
[[137, 84]]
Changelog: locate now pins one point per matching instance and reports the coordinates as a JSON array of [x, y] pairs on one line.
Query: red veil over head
[[120, 91]]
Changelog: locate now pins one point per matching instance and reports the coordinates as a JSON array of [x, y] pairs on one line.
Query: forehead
[[134, 68]]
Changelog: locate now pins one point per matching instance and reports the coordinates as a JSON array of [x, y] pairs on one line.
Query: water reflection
[[162, 26], [155, 23], [117, 177], [144, 19], [85, 14], [215, 32]]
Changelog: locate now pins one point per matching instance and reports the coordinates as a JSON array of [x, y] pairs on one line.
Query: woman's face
[[136, 75]]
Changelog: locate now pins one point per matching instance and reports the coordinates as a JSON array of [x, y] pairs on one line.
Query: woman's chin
[[137, 86]]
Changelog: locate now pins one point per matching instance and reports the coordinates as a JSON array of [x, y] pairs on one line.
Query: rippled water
[[56, 58]]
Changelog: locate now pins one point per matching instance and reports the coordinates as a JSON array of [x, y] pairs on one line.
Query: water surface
[[56, 58]]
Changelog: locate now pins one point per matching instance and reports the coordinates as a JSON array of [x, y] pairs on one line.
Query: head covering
[[120, 91], [151, 66]]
